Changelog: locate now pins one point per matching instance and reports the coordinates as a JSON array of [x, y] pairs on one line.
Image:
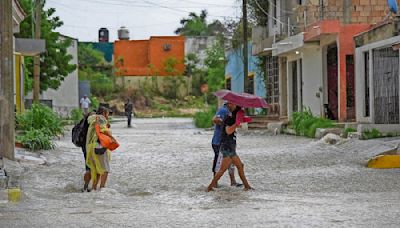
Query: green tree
[[256, 14], [93, 68], [89, 57], [55, 64], [215, 63], [196, 25]]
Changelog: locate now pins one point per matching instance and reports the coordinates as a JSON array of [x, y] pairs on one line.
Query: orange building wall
[[148, 57], [346, 46]]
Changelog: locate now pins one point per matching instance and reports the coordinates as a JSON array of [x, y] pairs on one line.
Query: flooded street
[[160, 173]]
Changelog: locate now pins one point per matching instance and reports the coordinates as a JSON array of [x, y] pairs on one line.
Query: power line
[[112, 27], [272, 17], [150, 5]]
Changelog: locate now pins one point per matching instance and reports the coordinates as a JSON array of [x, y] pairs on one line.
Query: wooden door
[[332, 64]]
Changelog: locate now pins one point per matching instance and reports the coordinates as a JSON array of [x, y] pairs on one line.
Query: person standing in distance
[[128, 110], [85, 104]]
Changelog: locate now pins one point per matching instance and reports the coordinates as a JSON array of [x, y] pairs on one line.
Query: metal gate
[[386, 85], [272, 83]]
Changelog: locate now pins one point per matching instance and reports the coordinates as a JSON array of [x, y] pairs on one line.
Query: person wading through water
[[218, 119], [228, 146], [98, 157]]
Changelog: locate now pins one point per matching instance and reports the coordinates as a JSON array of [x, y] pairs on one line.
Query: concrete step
[[261, 122], [257, 126]]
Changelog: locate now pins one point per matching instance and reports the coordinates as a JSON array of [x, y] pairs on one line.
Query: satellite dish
[[393, 6]]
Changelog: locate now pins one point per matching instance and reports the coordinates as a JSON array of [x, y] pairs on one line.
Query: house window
[[228, 83], [366, 80], [300, 2], [250, 88]]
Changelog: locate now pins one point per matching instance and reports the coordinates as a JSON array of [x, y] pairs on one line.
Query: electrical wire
[[272, 17], [149, 5]]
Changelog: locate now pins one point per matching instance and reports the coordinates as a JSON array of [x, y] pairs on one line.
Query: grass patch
[[203, 119], [305, 124]]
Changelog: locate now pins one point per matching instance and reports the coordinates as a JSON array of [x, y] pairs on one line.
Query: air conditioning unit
[[167, 47]]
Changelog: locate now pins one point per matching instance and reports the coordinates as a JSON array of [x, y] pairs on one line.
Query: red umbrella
[[244, 100]]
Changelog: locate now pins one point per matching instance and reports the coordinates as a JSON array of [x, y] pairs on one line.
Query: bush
[[305, 124], [371, 134], [36, 139], [95, 102], [204, 119], [76, 115], [40, 117], [38, 125], [348, 130]]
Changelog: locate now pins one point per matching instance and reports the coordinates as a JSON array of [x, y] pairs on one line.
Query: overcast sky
[[144, 18]]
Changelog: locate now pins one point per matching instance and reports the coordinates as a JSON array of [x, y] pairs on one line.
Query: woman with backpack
[[98, 157]]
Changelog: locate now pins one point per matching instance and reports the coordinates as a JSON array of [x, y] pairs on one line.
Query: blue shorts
[[226, 153]]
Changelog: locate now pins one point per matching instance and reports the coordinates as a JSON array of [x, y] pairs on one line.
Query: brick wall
[[356, 11]]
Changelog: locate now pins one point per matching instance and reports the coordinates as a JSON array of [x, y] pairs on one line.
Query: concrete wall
[[66, 97], [360, 80], [149, 57], [198, 45]]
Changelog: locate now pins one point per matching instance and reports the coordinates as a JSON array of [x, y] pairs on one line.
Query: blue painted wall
[[234, 69]]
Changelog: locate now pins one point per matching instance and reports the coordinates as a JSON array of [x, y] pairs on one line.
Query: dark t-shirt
[[128, 108], [228, 142]]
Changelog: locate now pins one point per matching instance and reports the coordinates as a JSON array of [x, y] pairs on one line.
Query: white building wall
[[66, 97], [198, 45], [312, 79]]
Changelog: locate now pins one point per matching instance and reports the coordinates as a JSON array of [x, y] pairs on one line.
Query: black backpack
[[79, 133]]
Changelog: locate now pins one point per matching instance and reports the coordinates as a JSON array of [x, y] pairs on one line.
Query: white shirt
[[85, 102]]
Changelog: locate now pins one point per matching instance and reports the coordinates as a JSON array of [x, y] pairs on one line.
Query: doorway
[[332, 70]]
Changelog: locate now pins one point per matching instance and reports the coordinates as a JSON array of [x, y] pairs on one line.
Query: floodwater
[[160, 173]]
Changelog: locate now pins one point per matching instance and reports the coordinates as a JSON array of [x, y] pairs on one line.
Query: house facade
[[22, 47], [377, 77], [315, 55], [137, 60], [234, 80]]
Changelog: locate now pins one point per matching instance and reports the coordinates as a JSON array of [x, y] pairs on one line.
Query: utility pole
[[245, 48], [36, 59], [7, 119]]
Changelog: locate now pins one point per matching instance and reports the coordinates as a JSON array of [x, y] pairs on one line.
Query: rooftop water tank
[[123, 33], [103, 35]]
